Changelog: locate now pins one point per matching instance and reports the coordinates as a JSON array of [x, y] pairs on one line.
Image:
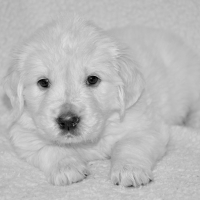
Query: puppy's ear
[[133, 83], [14, 90]]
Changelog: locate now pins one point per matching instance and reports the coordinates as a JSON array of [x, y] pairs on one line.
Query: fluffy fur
[[147, 79]]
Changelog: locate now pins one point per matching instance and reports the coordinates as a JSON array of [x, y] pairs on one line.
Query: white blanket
[[177, 175]]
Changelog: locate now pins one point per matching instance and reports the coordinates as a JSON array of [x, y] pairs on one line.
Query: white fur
[[148, 79]]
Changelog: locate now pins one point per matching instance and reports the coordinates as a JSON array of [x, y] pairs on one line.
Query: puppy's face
[[68, 81]]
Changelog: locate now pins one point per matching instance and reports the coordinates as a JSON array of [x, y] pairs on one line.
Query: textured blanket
[[177, 175]]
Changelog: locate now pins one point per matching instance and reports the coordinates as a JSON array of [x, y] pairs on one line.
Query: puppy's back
[[170, 69]]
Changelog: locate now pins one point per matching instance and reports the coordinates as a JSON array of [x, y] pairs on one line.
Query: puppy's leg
[[134, 156], [61, 165]]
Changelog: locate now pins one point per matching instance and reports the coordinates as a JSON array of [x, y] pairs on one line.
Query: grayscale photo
[[100, 100]]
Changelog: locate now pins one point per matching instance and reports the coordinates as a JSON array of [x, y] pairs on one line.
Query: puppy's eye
[[44, 83], [93, 81]]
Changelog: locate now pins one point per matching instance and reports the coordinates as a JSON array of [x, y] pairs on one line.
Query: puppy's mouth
[[69, 134]]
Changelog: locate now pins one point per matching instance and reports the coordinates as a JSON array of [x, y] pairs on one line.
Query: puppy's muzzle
[[68, 122]]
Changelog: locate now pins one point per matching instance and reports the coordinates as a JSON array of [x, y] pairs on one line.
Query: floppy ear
[[14, 90], [133, 83]]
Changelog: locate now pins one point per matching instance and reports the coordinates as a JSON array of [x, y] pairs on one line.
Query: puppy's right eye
[[93, 81], [44, 83]]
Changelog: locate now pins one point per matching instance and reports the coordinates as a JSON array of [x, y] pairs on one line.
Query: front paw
[[128, 174], [66, 172]]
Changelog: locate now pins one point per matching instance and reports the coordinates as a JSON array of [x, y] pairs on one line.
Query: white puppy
[[79, 94]]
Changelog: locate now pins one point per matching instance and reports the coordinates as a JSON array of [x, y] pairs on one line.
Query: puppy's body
[[170, 69], [151, 80]]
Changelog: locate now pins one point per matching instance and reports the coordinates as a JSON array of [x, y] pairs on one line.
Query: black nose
[[68, 121]]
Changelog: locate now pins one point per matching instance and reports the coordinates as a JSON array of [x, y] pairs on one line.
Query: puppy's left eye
[[44, 83], [93, 81]]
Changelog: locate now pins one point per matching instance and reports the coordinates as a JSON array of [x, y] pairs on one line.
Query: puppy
[[79, 94]]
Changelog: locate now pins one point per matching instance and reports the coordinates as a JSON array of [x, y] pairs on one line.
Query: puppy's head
[[70, 78]]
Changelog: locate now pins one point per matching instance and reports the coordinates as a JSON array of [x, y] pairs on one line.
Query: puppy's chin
[[82, 138], [61, 137]]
